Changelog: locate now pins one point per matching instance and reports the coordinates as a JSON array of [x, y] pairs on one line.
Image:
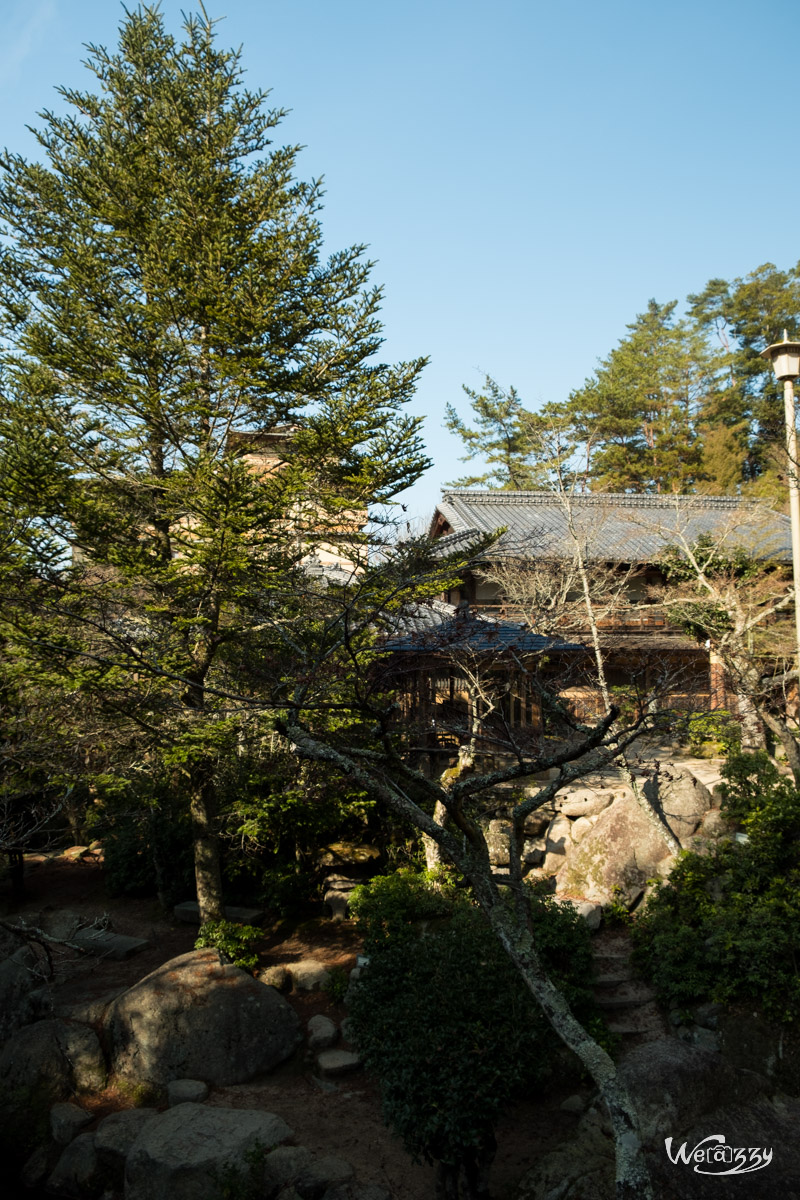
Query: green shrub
[[338, 983], [233, 940], [726, 925], [443, 1019], [147, 841], [712, 733]]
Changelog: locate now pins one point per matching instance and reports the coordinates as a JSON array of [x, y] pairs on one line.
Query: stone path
[[627, 1003]]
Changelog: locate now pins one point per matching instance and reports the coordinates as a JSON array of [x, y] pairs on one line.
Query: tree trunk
[[632, 1176], [433, 855], [752, 728], [207, 871]]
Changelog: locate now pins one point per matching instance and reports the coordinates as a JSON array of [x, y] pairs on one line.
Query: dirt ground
[[342, 1118]]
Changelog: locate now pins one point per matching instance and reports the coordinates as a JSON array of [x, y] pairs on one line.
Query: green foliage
[[233, 1182], [338, 983], [169, 322], [712, 734], [617, 913], [146, 838], [233, 940], [442, 1017], [726, 925]]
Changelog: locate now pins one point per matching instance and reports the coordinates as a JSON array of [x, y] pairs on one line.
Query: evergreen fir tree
[[163, 288]]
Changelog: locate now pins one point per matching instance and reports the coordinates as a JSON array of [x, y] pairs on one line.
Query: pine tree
[[742, 317], [163, 289], [638, 414]]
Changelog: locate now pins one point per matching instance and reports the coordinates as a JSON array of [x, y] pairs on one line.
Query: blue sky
[[526, 174]]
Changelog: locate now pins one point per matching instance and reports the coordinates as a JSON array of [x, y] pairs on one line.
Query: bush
[[147, 841], [711, 734], [444, 1020], [233, 940], [726, 925]]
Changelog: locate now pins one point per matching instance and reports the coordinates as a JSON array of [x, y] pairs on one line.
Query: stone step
[[189, 912], [645, 1021], [103, 944], [609, 978], [627, 999]]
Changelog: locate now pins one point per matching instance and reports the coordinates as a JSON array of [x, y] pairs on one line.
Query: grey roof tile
[[436, 626], [613, 528]]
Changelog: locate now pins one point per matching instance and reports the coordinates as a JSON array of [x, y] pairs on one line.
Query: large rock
[[537, 821], [18, 980], [621, 851], [182, 1154], [682, 798], [66, 1121], [558, 839], [77, 1172], [115, 1135], [52, 1059], [196, 1017], [585, 802], [322, 1032]]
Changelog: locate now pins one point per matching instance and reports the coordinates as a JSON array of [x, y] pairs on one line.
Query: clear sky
[[527, 174]]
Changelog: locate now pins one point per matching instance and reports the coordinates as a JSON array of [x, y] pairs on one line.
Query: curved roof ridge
[[619, 499]]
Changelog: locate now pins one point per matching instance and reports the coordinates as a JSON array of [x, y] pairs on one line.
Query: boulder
[[282, 1167], [714, 825], [533, 851], [682, 798], [580, 828], [592, 914], [322, 1032], [338, 1062], [537, 821], [66, 1122], [78, 1171], [186, 1091], [621, 851], [37, 1168], [558, 838], [322, 1173], [585, 802], [18, 983], [181, 1154], [553, 862], [308, 974], [276, 976], [356, 1191], [116, 1134], [51, 1059], [196, 1017]]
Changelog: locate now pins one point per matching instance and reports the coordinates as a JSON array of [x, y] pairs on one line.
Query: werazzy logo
[[713, 1157]]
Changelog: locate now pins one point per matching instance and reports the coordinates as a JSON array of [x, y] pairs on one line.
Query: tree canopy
[[680, 404], [166, 304]]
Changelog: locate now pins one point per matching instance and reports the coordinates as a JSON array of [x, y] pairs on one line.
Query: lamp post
[[785, 359]]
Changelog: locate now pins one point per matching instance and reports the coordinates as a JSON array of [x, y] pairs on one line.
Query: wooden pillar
[[716, 671]]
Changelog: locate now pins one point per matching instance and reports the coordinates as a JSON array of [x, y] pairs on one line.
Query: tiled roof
[[613, 528], [436, 626]]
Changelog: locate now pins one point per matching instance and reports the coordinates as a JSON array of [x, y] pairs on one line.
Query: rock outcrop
[[183, 1152]]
